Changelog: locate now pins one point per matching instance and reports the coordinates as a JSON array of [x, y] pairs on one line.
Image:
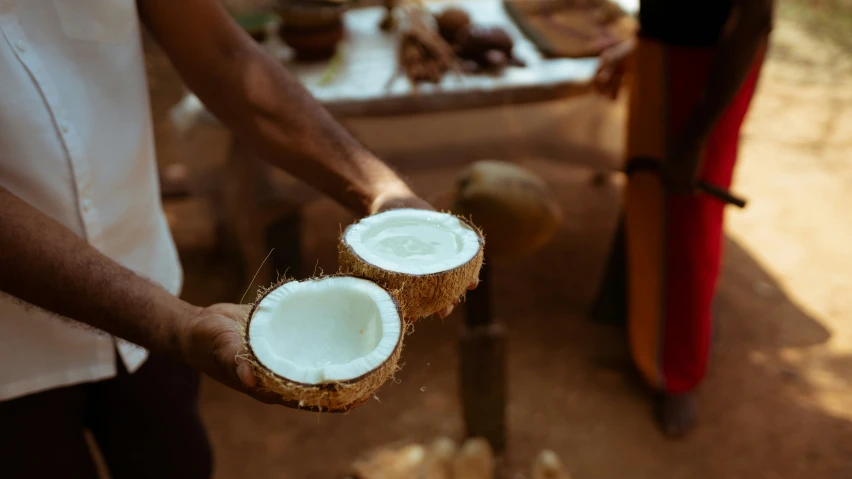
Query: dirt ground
[[777, 402]]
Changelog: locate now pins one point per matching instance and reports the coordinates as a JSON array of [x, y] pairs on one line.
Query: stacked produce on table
[[480, 47], [430, 45]]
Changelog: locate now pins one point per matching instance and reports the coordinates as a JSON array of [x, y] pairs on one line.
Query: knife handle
[[721, 194]]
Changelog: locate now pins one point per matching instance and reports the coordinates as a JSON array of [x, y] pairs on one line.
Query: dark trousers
[[146, 425]]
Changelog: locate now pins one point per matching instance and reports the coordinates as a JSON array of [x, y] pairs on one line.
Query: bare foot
[[677, 413]]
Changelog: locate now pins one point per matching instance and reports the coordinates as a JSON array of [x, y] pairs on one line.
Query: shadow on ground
[[570, 389]]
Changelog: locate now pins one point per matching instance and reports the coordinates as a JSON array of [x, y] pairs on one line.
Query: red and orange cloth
[[674, 243]]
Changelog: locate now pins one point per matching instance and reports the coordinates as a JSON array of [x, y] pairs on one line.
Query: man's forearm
[[253, 94], [271, 110], [45, 264]]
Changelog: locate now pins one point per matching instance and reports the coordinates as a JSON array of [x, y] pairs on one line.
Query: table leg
[[482, 348]]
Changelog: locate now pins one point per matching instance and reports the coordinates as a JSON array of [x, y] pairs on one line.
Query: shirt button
[[63, 126], [21, 46], [86, 204]]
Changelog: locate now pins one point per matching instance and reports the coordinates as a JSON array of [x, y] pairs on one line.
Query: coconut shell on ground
[[421, 295], [474, 460], [444, 460], [515, 208], [391, 463], [331, 396], [548, 465]]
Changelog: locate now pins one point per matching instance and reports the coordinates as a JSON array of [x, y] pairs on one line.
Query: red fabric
[[695, 224]]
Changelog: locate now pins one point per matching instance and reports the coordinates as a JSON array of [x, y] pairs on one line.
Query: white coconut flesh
[[412, 241], [325, 330]]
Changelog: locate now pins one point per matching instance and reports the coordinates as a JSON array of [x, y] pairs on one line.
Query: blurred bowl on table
[[312, 28]]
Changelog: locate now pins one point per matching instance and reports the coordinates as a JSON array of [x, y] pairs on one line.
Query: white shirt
[[76, 142]]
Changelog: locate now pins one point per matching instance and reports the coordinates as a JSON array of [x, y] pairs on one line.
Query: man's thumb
[[245, 375]]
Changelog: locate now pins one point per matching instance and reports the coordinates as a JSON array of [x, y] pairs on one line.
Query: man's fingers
[[245, 375], [228, 367], [236, 312], [244, 381], [445, 312], [604, 73], [603, 44], [615, 84], [473, 285], [603, 81], [248, 383]]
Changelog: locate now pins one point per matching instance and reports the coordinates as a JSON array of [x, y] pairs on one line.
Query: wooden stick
[[482, 348]]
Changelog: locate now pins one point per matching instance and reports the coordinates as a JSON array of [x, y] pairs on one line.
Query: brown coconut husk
[[332, 396], [419, 296], [514, 207]]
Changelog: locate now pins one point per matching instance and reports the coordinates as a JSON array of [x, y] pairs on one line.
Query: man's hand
[[211, 343], [612, 67], [392, 200]]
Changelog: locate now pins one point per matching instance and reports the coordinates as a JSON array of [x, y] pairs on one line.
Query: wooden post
[[482, 356]]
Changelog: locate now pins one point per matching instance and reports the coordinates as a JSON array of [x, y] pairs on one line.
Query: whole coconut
[[451, 21], [514, 208]]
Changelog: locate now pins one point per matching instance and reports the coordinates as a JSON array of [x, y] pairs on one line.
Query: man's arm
[[253, 94], [734, 59], [45, 264]]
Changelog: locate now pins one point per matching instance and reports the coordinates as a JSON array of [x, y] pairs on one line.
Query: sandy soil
[[777, 402]]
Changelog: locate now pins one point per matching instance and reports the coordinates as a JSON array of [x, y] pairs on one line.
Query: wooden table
[[366, 84]]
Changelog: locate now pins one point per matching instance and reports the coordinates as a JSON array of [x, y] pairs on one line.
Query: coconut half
[[428, 259], [324, 343]]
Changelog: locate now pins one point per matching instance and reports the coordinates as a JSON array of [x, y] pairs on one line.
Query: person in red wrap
[[692, 72]]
